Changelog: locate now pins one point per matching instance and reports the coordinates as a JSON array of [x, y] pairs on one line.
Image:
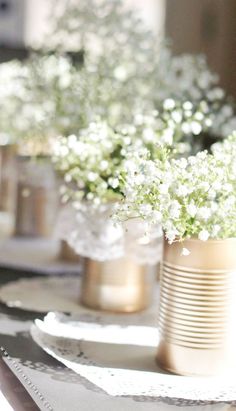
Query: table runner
[[61, 388]]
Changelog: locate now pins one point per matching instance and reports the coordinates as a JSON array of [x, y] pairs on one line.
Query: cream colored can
[[197, 317]]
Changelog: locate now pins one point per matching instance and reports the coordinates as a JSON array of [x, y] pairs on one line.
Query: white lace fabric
[[92, 233], [121, 361]]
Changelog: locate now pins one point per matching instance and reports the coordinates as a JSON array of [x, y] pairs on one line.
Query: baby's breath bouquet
[[193, 197], [91, 161], [12, 91], [91, 164], [126, 70], [38, 101], [127, 67], [94, 163]]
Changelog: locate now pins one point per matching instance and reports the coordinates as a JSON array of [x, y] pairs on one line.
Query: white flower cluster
[[123, 50], [90, 163], [188, 78], [189, 197], [223, 117], [12, 91], [41, 98], [98, 25], [125, 71], [93, 159]]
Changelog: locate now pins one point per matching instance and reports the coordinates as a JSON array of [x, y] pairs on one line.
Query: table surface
[[31, 380]]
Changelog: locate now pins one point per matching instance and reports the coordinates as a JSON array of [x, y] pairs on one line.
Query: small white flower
[[67, 178], [199, 116], [139, 179], [92, 176], [163, 188], [203, 235], [204, 213], [177, 116], [196, 128], [185, 252], [170, 235], [174, 209], [104, 165], [208, 122], [139, 119], [169, 104], [64, 151], [167, 136], [215, 230], [97, 201], [120, 73], [191, 209], [182, 191], [90, 196], [114, 182], [148, 135], [182, 163], [186, 128], [214, 206], [146, 209], [188, 105], [204, 185], [72, 140]]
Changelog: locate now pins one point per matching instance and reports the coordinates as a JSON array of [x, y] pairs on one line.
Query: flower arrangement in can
[[189, 197]]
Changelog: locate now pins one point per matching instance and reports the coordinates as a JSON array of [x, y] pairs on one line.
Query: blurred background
[[206, 26]]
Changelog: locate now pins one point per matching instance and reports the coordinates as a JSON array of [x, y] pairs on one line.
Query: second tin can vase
[[119, 285], [37, 197], [7, 177], [197, 318]]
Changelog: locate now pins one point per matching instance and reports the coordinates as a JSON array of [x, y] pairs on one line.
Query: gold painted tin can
[[119, 285], [7, 177], [197, 318], [36, 197]]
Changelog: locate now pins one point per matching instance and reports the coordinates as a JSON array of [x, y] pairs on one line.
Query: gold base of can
[[67, 253], [197, 318], [116, 286], [193, 362]]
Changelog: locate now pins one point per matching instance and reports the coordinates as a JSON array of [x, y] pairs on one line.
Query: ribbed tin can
[[119, 285], [197, 317]]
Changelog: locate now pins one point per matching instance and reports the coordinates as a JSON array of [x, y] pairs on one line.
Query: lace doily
[[91, 233], [121, 361]]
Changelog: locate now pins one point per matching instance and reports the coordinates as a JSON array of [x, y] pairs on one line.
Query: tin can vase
[[36, 198], [119, 285], [197, 318], [7, 177]]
